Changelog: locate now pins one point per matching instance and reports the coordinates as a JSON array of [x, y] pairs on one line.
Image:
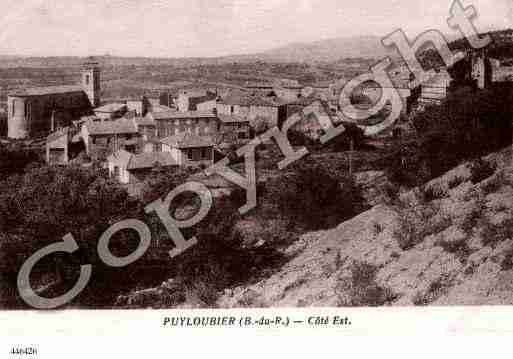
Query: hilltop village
[[131, 137]]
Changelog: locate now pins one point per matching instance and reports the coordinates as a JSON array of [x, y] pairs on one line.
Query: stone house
[[199, 100], [234, 129], [170, 123], [104, 137], [257, 109], [62, 145], [129, 168], [189, 149]]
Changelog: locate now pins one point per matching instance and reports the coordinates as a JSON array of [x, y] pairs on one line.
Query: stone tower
[[91, 82]]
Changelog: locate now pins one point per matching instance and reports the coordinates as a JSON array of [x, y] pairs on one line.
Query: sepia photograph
[[239, 155]]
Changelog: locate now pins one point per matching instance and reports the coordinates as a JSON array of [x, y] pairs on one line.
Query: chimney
[[52, 122], [146, 106]]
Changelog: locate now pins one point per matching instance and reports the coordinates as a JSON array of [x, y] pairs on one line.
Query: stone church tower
[[91, 82]]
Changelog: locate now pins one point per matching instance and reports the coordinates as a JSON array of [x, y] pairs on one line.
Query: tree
[[312, 196], [39, 207], [469, 123]]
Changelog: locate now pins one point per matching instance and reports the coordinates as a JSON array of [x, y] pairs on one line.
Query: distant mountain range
[[330, 50], [320, 51]]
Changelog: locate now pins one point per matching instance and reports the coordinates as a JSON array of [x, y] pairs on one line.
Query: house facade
[[255, 108], [234, 129], [199, 100], [129, 168], [171, 123], [104, 137], [189, 149]]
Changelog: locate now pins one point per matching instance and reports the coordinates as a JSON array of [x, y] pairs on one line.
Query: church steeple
[[91, 82]]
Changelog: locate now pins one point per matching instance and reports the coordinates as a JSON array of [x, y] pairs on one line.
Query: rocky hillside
[[447, 243]]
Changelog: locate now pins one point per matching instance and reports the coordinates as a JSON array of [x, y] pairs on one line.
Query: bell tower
[[91, 82]]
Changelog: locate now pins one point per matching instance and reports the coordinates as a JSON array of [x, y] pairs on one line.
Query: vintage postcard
[[267, 165]]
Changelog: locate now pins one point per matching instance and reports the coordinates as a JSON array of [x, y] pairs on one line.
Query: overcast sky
[[178, 28]]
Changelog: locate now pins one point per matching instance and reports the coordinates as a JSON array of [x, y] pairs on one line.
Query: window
[[205, 153], [87, 79], [116, 171], [189, 154], [242, 135], [196, 154], [232, 109]]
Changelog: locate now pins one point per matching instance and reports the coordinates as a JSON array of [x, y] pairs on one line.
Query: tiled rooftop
[[176, 115], [150, 160], [121, 126], [248, 99], [48, 90]]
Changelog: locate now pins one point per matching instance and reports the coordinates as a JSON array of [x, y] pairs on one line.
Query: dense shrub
[[44, 204], [312, 196], [493, 234], [436, 289], [469, 123], [361, 289], [14, 158]]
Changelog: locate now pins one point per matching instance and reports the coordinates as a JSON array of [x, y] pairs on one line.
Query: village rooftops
[[248, 99], [176, 115], [48, 90], [188, 140], [120, 126], [232, 119]]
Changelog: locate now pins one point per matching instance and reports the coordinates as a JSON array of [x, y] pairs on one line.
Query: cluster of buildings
[[132, 137]]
